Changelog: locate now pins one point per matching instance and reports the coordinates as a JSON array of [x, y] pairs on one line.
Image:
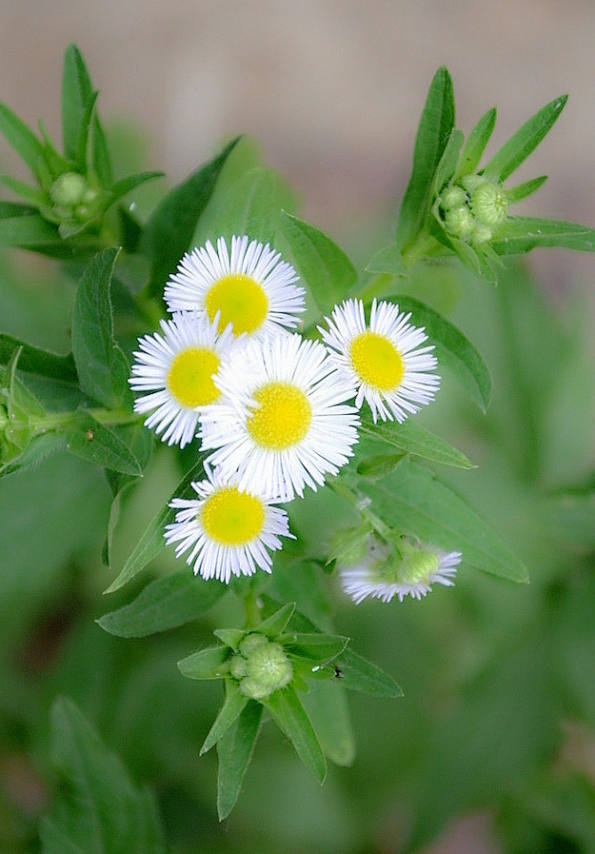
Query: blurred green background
[[492, 749]]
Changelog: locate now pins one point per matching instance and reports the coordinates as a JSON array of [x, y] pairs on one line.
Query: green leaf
[[329, 713], [414, 502], [102, 366], [151, 542], [169, 231], [32, 360], [25, 143], [126, 185], [275, 624], [31, 231], [8, 210], [291, 718], [435, 126], [388, 260], [230, 637], [524, 141], [29, 194], [521, 191], [38, 450], [476, 144], [235, 751], [98, 807], [84, 131], [358, 674], [411, 438], [316, 646], [448, 161], [518, 235], [164, 604], [452, 349], [379, 465], [90, 440], [100, 158], [209, 663], [325, 270], [77, 91], [234, 704]]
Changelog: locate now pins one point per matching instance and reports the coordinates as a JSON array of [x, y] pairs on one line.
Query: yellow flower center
[[377, 361], [231, 517], [282, 418], [190, 377], [240, 300]]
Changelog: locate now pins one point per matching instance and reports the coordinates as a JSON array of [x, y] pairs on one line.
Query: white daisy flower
[[177, 369], [384, 358], [282, 423], [383, 575], [227, 530], [250, 287]]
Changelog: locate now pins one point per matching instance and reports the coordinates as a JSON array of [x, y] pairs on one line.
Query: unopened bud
[[452, 197], [489, 204], [481, 234], [459, 221], [261, 668], [472, 182], [68, 190]]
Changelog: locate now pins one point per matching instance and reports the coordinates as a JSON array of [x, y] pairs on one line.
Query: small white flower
[[226, 530], [177, 370], [282, 423], [250, 287], [383, 576], [383, 358]]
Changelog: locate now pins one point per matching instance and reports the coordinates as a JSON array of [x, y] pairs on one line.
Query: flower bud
[[453, 197], [418, 565], [68, 190], [481, 234], [472, 182], [459, 221], [489, 204], [261, 668]]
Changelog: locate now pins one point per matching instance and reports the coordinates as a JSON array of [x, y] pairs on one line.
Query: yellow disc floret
[[282, 418], [231, 517], [377, 361], [240, 300], [190, 377]]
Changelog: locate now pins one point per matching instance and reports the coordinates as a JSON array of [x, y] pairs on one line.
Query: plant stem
[[252, 610], [360, 505]]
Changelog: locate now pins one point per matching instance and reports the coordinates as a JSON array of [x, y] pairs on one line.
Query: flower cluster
[[274, 411]]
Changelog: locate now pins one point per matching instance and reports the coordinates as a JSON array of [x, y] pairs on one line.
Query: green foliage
[[100, 809]]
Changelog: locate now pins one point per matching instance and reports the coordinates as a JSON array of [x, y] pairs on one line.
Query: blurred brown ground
[[333, 90]]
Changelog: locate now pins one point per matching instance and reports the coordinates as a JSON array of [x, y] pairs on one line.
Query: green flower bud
[[489, 204], [90, 195], [262, 667], [453, 197], [68, 190], [481, 234], [417, 565], [472, 182], [459, 221]]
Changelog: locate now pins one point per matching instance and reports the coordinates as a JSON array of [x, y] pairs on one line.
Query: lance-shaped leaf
[[102, 366], [379, 465], [521, 191], [92, 441], [388, 260], [32, 360], [127, 185], [358, 674], [435, 126], [414, 502], [524, 141], [233, 705], [518, 235], [25, 143], [452, 349], [38, 450], [168, 232], [84, 133], [235, 751], [97, 808], [77, 93], [476, 144], [326, 272], [252, 206], [29, 230], [29, 194], [151, 541], [328, 711], [448, 161], [164, 604], [291, 718], [275, 624], [230, 637], [210, 663], [316, 646], [411, 438]]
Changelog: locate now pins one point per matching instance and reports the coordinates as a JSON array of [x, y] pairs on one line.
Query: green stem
[[360, 505], [56, 420], [422, 245]]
